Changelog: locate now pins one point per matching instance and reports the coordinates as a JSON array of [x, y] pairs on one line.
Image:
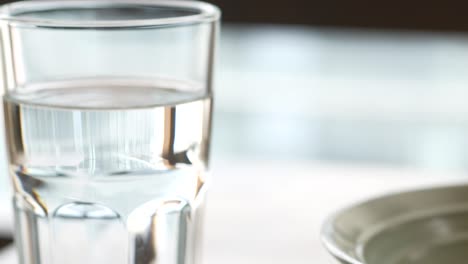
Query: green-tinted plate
[[419, 227]]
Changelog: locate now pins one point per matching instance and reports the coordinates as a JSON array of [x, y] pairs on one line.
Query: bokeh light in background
[[389, 98]]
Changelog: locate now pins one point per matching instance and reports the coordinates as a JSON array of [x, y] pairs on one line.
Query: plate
[[427, 226]]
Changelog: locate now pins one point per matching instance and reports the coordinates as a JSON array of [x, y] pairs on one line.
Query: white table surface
[[271, 211]]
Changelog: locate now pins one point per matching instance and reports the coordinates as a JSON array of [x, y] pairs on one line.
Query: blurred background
[[320, 104], [361, 82]]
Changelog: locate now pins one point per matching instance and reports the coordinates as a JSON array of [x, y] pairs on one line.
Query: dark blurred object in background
[[442, 15], [445, 15]]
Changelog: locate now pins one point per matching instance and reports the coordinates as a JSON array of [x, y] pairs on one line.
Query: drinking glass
[[107, 107]]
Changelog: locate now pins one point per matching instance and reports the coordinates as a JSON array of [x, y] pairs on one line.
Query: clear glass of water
[[107, 107]]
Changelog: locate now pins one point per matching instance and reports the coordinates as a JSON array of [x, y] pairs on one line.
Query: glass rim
[[10, 12]]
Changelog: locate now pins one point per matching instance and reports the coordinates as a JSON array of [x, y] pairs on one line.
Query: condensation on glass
[[107, 109]]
